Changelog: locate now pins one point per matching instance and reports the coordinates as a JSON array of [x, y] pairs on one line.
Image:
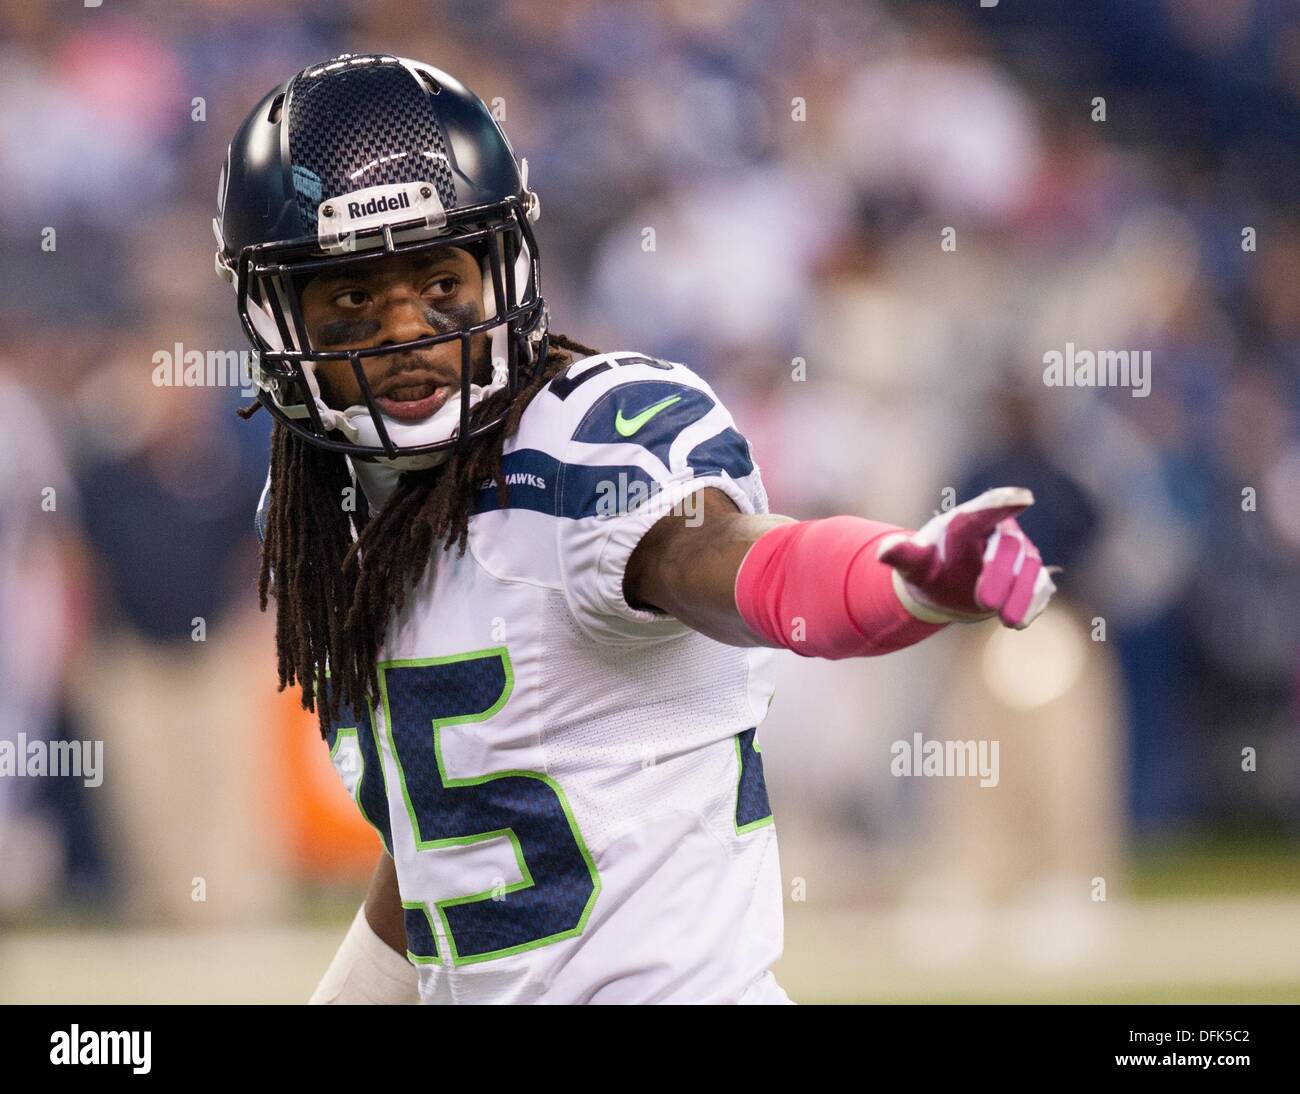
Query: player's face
[[397, 299]]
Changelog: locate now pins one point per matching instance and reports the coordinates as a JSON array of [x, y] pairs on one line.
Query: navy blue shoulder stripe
[[538, 481]]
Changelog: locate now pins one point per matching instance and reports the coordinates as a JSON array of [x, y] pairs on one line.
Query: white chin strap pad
[[357, 424]]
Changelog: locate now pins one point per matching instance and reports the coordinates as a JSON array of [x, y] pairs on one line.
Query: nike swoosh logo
[[627, 426]]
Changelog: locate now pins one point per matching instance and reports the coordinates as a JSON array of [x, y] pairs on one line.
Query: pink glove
[[972, 562]]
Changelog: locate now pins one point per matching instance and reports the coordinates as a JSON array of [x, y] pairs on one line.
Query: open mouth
[[413, 401]]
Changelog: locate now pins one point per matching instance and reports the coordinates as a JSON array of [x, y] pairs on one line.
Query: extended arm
[[843, 586], [686, 565]]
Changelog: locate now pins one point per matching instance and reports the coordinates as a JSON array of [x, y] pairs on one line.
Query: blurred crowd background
[[1119, 174]]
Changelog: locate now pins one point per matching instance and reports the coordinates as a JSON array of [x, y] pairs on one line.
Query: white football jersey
[[570, 787]]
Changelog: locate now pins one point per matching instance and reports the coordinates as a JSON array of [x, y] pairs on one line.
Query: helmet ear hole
[[277, 106], [425, 78]]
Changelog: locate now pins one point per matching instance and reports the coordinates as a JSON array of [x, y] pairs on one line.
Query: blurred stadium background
[[220, 860]]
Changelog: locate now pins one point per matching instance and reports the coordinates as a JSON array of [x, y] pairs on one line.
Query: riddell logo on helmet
[[378, 205]]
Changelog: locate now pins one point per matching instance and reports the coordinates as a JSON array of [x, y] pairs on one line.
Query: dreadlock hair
[[334, 596]]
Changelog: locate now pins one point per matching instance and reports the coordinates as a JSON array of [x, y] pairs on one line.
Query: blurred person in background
[[167, 683], [1053, 700], [48, 839]]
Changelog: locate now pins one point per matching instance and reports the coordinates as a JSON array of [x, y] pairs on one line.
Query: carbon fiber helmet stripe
[[361, 126]]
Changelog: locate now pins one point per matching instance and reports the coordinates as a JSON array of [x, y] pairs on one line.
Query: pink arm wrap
[[825, 573]]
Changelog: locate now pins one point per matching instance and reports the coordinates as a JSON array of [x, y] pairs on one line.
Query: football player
[[532, 589]]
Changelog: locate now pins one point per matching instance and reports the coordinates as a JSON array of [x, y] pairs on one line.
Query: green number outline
[[477, 780], [762, 822], [423, 959], [355, 731]]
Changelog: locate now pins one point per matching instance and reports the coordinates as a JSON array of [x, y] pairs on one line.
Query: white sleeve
[[645, 439]]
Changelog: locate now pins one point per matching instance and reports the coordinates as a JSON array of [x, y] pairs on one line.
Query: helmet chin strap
[[378, 478], [357, 425]]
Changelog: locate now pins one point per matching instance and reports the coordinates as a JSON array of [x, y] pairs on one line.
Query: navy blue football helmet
[[348, 162]]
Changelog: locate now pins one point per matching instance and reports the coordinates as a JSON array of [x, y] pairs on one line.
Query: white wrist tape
[[367, 970]]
